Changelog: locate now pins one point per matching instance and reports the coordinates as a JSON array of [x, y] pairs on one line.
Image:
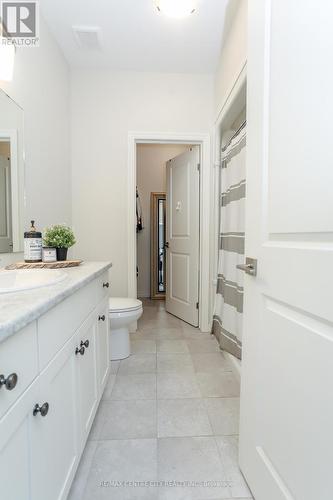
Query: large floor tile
[[177, 385], [223, 415], [172, 346], [210, 362], [145, 346], [174, 363], [109, 386], [80, 480], [117, 464], [143, 335], [168, 333], [125, 420], [138, 386], [166, 322], [138, 363], [218, 384], [202, 345], [182, 417], [228, 447], [195, 460]]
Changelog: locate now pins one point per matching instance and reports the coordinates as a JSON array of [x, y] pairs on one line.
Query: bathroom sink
[[27, 279]]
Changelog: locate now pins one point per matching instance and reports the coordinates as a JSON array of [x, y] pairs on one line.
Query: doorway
[[184, 140], [168, 227]]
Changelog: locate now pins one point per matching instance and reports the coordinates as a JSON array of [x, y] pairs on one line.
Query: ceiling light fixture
[[176, 8]]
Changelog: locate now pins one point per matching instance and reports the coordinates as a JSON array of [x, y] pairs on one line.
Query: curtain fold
[[228, 311]]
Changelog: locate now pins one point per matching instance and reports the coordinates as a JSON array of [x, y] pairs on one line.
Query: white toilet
[[122, 312]]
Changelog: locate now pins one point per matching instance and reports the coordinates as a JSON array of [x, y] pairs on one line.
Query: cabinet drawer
[[18, 355], [60, 323]]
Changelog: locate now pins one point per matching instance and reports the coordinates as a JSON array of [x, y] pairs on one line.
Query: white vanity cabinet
[[43, 432]]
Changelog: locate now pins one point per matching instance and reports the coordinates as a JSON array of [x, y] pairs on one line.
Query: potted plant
[[60, 237]]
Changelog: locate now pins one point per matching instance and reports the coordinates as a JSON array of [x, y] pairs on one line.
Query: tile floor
[[166, 428]]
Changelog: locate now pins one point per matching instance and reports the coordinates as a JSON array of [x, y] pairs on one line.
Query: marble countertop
[[18, 309]]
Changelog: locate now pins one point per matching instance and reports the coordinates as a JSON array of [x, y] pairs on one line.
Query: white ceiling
[[136, 37]]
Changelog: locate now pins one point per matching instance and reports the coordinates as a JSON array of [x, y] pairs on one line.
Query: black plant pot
[[62, 253]]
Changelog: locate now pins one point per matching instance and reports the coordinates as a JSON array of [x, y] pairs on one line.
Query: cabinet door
[[15, 448], [86, 365], [103, 355], [54, 442]]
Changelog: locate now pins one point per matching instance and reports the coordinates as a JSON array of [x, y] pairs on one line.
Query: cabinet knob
[[9, 382], [84, 344], [106, 284], [43, 410], [101, 318], [80, 350]]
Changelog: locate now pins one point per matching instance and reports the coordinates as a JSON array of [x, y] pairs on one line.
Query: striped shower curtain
[[228, 313]]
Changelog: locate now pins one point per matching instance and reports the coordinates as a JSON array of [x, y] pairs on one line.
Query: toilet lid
[[123, 304]]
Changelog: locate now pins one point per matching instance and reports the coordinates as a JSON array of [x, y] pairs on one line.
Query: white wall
[[231, 65], [151, 177], [234, 52], [105, 107], [41, 86]]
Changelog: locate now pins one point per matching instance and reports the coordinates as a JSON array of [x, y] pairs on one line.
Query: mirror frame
[[18, 176], [155, 294], [11, 135]]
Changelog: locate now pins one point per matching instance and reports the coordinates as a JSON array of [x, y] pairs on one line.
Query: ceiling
[[136, 37]]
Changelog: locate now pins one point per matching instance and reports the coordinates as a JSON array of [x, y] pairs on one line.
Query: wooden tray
[[46, 265]]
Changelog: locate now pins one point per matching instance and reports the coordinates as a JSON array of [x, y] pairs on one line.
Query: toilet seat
[[124, 304]]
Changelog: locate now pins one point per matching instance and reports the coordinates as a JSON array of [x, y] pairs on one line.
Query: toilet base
[[119, 344]]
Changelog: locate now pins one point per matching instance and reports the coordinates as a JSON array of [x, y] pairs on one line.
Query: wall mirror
[[11, 175], [157, 245]]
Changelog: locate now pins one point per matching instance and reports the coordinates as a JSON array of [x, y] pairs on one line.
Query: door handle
[[250, 266]]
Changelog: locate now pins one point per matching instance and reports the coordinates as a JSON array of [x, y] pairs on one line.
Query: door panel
[[15, 447], [54, 436], [286, 440], [183, 236], [87, 375], [103, 351], [6, 237]]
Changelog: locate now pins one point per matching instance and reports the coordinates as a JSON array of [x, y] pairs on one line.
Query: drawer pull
[[80, 350], [101, 318], [85, 344], [106, 284], [43, 410], [9, 382]]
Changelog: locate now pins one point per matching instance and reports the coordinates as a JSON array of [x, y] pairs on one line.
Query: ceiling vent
[[87, 37]]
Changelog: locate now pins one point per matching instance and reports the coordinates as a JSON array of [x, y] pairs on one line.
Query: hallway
[[168, 419]]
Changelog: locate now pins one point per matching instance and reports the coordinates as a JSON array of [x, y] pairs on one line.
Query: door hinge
[[197, 305], [198, 167]]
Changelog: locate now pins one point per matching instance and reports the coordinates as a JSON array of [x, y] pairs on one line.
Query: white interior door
[[182, 230], [286, 433], [6, 239]]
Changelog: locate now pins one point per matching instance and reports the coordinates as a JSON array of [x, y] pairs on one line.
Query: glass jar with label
[[32, 245]]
